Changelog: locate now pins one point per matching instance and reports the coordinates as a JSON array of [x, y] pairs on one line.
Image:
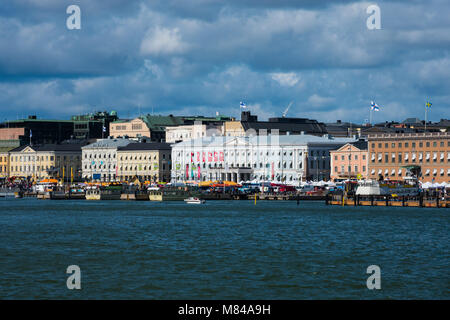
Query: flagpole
[[426, 111]]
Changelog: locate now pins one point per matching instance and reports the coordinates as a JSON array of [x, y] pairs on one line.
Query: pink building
[[350, 161]]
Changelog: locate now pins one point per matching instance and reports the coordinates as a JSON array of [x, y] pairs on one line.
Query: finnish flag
[[104, 129], [374, 106]]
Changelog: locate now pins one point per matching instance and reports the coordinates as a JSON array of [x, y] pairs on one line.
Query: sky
[[199, 57]]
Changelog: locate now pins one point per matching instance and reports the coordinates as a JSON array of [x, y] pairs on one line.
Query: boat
[[112, 192], [171, 194], [194, 200], [407, 187]]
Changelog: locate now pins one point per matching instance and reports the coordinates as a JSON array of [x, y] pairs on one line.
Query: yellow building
[[147, 161], [4, 164], [233, 129], [46, 161]]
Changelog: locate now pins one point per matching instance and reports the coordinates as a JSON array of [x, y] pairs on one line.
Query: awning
[[386, 171], [448, 156], [442, 156], [380, 156], [373, 171], [406, 156], [427, 172], [435, 156], [380, 171], [448, 172], [414, 156], [435, 171], [373, 156], [393, 172], [399, 172], [442, 172], [428, 156], [420, 156], [393, 155]]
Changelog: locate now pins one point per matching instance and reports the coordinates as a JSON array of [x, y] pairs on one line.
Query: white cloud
[[317, 101], [159, 41], [289, 79]]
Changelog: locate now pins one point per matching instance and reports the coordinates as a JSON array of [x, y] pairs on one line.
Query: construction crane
[[287, 109]]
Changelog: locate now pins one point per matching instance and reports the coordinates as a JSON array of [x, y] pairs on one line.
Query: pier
[[389, 201]]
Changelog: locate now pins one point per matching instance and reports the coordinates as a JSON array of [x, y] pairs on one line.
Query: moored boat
[[407, 187], [194, 200]]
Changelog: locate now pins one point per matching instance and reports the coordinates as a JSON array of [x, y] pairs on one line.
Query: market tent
[[48, 181]]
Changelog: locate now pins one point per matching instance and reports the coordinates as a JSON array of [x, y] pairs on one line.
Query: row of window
[[395, 145], [42, 158], [243, 153], [349, 169], [350, 157], [135, 157], [155, 167], [399, 172], [399, 157], [32, 168]]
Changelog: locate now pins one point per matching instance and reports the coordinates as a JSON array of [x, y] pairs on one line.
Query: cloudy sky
[[205, 56]]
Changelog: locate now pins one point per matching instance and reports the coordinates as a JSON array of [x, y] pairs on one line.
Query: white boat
[[408, 187], [193, 200]]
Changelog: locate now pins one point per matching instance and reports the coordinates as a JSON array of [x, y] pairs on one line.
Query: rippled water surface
[[221, 250]]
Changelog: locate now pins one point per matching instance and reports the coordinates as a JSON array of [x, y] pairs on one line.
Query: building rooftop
[[51, 147], [109, 143], [287, 140], [145, 146]]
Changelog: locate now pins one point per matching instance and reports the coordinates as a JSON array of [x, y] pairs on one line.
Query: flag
[[428, 104], [243, 105], [104, 129], [374, 106], [31, 133]]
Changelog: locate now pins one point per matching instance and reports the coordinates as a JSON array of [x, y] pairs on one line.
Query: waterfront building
[[146, 161], [344, 129], [58, 161], [350, 161], [188, 132], [93, 125], [36, 131], [249, 125], [100, 159], [4, 164], [154, 126], [427, 152], [287, 158]]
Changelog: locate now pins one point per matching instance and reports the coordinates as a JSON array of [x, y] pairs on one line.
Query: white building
[[99, 159], [196, 130], [286, 159]]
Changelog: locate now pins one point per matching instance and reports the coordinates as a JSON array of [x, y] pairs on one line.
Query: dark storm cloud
[[203, 56]]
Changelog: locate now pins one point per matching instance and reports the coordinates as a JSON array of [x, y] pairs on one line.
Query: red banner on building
[[221, 156], [215, 156], [273, 170], [187, 171], [209, 157]]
